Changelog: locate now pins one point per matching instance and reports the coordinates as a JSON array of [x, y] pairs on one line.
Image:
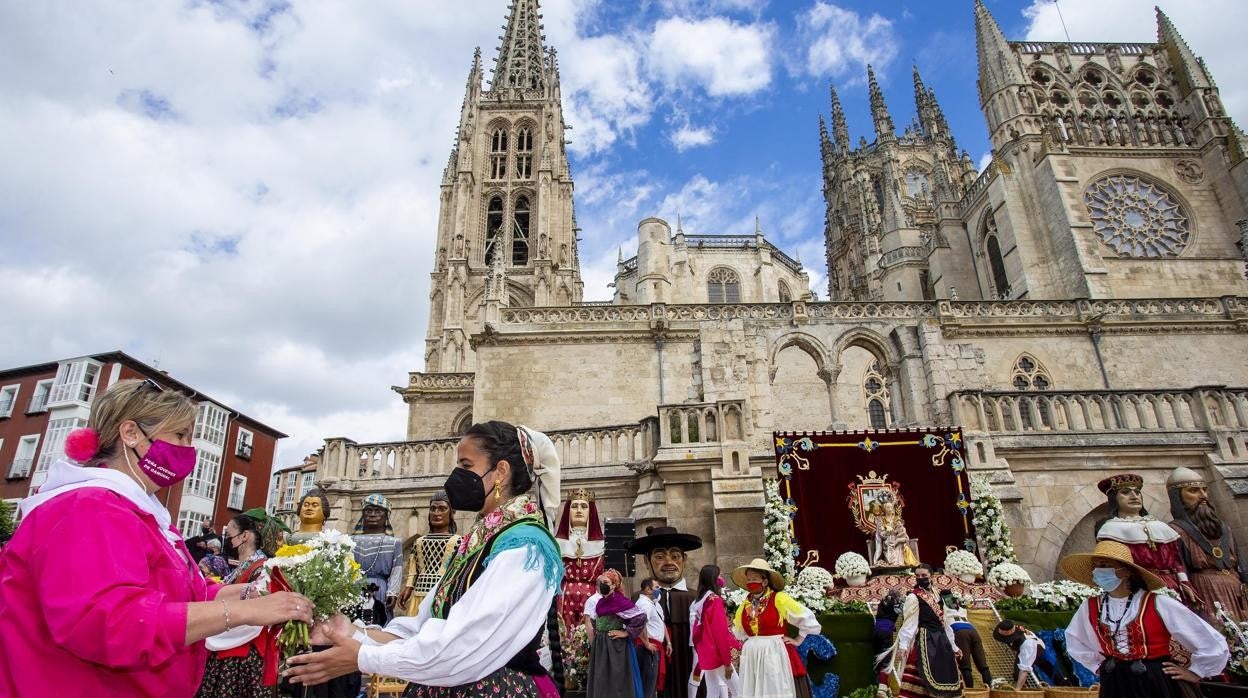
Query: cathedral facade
[[1078, 307]]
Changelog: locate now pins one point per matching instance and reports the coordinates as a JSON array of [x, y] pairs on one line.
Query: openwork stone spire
[[1188, 69], [521, 61], [879, 110], [997, 68], [840, 131]]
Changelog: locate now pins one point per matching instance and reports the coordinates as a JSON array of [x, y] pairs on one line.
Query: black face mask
[[925, 583], [465, 490], [603, 588]]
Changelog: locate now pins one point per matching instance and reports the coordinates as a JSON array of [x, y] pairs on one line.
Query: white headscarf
[[543, 463]]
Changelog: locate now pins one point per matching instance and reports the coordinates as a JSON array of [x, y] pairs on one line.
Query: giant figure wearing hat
[[1207, 546], [665, 550], [581, 544], [1153, 544], [380, 555]]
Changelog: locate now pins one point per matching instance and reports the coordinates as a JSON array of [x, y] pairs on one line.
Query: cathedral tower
[[506, 227]]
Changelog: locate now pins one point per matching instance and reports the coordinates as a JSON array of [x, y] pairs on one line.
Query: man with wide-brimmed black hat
[[665, 550]]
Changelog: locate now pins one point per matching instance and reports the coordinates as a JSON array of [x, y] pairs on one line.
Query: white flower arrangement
[[851, 564], [963, 562], [995, 540], [810, 588], [1007, 573], [1236, 635], [777, 534], [734, 598], [1061, 595]]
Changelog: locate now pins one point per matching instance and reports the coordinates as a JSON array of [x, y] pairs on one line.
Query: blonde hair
[[140, 401]]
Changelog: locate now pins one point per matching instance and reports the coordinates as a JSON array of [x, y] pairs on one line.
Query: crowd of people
[[484, 613]]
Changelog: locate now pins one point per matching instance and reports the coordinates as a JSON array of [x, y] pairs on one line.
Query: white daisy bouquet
[[810, 588], [1008, 573], [960, 562], [324, 570], [851, 564]]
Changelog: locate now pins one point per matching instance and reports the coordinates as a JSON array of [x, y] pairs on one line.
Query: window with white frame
[[54, 444], [243, 447], [306, 484], [203, 479], [39, 401], [210, 423], [24, 459], [75, 382], [274, 488], [8, 398], [238, 490], [190, 523], [288, 495]]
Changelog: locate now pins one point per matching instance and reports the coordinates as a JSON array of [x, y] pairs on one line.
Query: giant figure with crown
[[581, 544]]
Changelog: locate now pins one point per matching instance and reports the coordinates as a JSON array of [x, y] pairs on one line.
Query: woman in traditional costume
[[717, 648], [1125, 633], [1154, 545], [770, 666], [236, 659], [81, 614], [616, 624], [477, 635]]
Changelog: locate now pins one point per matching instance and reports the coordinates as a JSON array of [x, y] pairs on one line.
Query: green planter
[[1040, 620], [851, 634]]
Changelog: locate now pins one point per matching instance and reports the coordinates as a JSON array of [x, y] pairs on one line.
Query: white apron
[[765, 670]]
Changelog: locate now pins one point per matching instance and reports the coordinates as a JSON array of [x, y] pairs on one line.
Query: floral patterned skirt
[[504, 683], [235, 677]]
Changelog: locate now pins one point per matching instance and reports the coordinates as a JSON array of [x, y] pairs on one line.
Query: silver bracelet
[[225, 607]]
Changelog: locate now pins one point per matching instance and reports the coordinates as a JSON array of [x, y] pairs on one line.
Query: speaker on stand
[[617, 534]]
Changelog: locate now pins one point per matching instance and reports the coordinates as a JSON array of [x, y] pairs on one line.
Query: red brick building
[[41, 404]]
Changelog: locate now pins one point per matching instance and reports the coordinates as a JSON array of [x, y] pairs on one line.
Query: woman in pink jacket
[[712, 640], [98, 594]]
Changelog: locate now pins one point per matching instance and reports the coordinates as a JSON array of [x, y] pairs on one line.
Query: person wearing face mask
[[925, 646], [1124, 634], [78, 611], [652, 656], [770, 666], [477, 634], [236, 663], [616, 622], [716, 647]]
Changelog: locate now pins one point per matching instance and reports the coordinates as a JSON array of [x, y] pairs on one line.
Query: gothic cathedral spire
[[840, 131], [1189, 70], [997, 68], [521, 61], [879, 110]]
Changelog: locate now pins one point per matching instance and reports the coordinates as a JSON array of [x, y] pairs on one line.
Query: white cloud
[[984, 161], [697, 7], [605, 93], [687, 136], [721, 56], [842, 42], [1212, 29]]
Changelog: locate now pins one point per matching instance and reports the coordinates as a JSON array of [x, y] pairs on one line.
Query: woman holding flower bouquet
[[80, 611], [477, 634], [236, 660]]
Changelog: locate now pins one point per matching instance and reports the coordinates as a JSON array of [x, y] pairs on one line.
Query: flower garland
[[995, 541], [962, 562], [778, 548], [1062, 595]]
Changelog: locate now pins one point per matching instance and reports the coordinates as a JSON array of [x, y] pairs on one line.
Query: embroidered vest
[[1147, 636], [931, 611]]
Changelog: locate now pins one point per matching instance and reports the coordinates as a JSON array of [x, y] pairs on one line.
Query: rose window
[[1137, 218]]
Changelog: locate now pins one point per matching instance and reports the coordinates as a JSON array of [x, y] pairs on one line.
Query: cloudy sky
[[245, 191]]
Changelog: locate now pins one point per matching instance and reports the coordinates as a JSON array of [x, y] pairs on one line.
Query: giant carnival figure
[[313, 508], [1208, 547], [380, 555], [1153, 544], [430, 554], [666, 550], [580, 543]]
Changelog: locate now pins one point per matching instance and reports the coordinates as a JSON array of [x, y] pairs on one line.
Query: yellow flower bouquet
[[324, 570]]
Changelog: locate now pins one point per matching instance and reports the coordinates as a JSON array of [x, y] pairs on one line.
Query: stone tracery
[[1137, 218]]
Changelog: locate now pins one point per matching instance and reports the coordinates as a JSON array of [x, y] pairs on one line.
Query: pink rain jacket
[[93, 603]]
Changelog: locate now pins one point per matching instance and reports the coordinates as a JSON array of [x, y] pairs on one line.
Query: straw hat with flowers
[[760, 565], [1079, 566]]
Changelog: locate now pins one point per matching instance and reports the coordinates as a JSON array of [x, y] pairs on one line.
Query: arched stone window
[[524, 153], [916, 183], [996, 261], [723, 286], [875, 392], [1030, 375], [498, 154], [493, 226], [462, 424], [520, 232], [785, 295]]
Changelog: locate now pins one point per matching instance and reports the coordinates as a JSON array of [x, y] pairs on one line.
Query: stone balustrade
[[440, 381], [344, 459], [701, 424], [1196, 410], [1083, 48]]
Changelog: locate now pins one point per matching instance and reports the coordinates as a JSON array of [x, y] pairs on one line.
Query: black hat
[[1008, 631], [664, 537]]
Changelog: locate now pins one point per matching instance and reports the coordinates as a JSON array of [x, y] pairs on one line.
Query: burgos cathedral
[[1078, 308]]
